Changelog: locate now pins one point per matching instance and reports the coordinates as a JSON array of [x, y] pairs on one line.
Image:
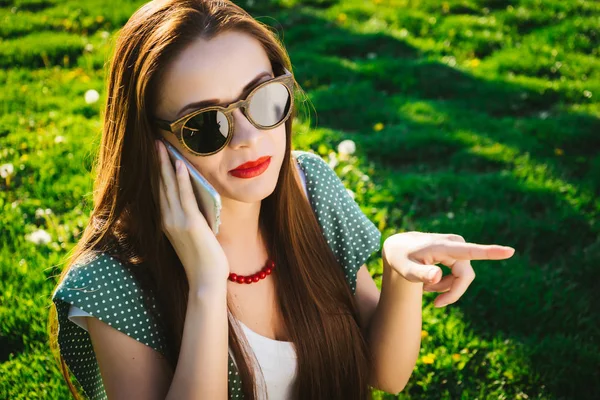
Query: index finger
[[471, 251]]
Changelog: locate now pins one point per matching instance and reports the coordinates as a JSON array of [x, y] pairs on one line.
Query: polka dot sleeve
[[106, 289], [350, 233]]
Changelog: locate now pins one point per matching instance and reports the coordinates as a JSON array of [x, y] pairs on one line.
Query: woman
[[154, 305]]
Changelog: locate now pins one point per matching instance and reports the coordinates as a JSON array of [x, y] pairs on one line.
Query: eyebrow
[[211, 102]]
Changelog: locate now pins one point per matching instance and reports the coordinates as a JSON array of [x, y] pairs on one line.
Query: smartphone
[[208, 199]]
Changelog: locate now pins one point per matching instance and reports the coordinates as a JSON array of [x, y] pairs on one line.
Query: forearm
[[395, 331], [202, 371]]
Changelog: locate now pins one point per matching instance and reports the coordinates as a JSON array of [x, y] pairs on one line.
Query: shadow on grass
[[485, 150]]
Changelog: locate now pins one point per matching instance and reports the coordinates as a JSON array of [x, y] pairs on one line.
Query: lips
[[251, 164]]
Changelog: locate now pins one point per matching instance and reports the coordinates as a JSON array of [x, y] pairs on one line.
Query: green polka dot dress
[[106, 288]]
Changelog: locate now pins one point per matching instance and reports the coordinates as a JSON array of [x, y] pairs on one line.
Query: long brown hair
[[316, 302]]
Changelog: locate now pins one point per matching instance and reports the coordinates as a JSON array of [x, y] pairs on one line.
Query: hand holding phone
[[208, 199], [187, 229]]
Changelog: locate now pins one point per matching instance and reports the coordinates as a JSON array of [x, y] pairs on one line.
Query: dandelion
[[39, 237], [378, 126], [450, 60], [104, 35], [475, 62], [346, 147], [424, 334], [91, 96], [342, 17], [89, 47], [333, 161], [59, 139], [39, 213], [6, 170], [428, 359], [456, 357], [587, 94]]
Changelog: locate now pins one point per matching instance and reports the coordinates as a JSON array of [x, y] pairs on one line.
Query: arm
[[132, 370], [202, 371], [392, 321]]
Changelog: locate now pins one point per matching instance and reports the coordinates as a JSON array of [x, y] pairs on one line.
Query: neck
[[240, 237]]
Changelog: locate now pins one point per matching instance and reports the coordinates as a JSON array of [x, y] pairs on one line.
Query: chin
[[248, 190]]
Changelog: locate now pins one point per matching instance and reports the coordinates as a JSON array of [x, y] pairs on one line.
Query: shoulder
[[317, 174], [107, 289], [101, 275], [351, 235], [308, 158]]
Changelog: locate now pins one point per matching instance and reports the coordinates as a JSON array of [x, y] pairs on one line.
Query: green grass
[[476, 117]]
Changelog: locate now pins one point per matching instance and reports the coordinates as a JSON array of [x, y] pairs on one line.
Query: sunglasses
[[208, 130]]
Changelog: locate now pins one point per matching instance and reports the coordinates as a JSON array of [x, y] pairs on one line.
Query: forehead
[[212, 69]]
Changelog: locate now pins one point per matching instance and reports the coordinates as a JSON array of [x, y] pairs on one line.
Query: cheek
[[207, 167], [279, 137]]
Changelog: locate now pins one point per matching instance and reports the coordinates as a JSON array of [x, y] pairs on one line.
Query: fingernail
[[431, 273], [178, 165]]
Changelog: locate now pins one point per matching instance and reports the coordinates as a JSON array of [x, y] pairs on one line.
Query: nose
[[244, 133]]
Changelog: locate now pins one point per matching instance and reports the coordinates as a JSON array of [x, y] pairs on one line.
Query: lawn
[[476, 117]]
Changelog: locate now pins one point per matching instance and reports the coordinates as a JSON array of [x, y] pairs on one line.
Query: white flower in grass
[[450, 215], [59, 139], [333, 161], [6, 170], [91, 96], [39, 237], [346, 147], [39, 213]]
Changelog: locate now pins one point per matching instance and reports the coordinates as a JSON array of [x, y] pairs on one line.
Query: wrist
[[396, 278], [208, 293]]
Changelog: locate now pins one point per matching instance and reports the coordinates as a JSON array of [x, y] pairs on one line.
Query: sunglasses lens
[[206, 132], [270, 104]]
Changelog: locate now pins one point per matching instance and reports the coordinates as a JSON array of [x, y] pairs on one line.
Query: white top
[[277, 359]]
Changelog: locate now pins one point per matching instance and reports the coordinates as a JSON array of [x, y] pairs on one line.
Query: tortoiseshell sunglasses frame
[[176, 127]]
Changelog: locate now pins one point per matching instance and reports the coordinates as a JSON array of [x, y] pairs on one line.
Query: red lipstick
[[252, 168]]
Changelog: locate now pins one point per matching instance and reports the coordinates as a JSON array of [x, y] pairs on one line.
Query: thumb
[[418, 272]]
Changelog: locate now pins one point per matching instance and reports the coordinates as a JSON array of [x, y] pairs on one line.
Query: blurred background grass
[[476, 117]]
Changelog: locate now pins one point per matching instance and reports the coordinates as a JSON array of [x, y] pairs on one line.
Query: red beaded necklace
[[262, 274]]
